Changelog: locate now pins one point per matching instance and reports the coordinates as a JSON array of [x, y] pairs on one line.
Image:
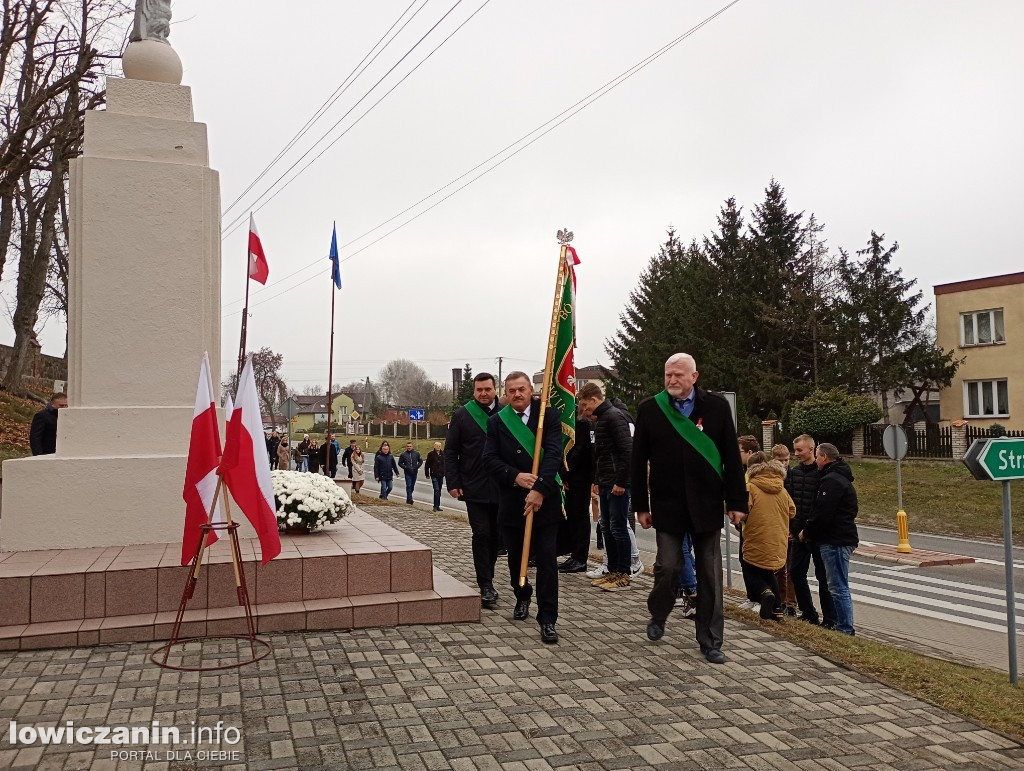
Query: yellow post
[[903, 531]]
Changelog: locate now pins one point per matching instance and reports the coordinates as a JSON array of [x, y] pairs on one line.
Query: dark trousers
[[800, 561], [410, 485], [759, 580], [543, 545], [483, 521], [615, 522], [438, 482], [577, 512], [707, 552]]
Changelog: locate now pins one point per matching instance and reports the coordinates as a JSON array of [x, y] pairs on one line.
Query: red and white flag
[[201, 466], [245, 466], [258, 268]]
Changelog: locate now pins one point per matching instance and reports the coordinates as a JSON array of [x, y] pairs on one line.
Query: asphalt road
[[955, 612]]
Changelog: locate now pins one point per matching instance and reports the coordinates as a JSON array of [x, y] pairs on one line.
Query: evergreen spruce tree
[[776, 244], [880, 318]]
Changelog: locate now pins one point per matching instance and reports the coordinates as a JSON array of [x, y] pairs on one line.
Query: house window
[[986, 399], [982, 327]]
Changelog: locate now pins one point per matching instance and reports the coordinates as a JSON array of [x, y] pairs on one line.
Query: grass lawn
[[981, 695], [938, 498], [15, 420]]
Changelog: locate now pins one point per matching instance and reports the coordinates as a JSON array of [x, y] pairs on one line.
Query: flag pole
[[549, 363], [330, 380], [245, 314]]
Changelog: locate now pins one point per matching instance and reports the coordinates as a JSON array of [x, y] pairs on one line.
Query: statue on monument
[[152, 21]]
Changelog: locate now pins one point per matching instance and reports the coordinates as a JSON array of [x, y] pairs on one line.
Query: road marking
[[943, 582], [869, 595], [953, 592]]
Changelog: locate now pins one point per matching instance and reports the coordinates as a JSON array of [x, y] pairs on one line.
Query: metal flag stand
[[258, 648]]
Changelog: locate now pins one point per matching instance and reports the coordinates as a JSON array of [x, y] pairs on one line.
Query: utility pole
[[501, 360]]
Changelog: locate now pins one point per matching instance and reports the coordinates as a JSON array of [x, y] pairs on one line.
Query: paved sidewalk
[[490, 695]]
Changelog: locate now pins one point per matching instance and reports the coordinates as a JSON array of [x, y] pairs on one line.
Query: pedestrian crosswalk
[[906, 590]]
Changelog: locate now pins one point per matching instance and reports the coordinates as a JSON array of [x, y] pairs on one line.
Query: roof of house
[[1007, 279], [590, 372]]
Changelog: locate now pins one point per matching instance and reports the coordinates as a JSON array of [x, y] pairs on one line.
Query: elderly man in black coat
[[687, 473], [508, 456]]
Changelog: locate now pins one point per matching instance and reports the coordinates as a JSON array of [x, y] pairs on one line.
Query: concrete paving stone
[[487, 695]]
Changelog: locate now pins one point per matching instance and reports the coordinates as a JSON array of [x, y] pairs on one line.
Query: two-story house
[[982, 320]]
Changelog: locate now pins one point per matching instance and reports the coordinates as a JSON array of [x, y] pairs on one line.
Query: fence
[[410, 430], [928, 441]]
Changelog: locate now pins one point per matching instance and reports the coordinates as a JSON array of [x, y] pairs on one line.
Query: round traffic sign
[[894, 442]]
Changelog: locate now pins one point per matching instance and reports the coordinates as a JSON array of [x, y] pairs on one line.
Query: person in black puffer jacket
[[802, 486], [832, 526], [613, 447]]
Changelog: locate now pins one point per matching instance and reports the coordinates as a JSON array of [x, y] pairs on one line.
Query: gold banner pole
[[549, 364]]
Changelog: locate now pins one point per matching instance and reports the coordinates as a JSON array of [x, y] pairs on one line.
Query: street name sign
[[1003, 459]]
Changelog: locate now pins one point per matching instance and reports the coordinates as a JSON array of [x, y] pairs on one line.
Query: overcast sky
[[903, 117]]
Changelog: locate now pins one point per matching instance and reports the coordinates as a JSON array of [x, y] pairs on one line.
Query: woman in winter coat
[[766, 532], [384, 469], [358, 468], [284, 459], [313, 456]]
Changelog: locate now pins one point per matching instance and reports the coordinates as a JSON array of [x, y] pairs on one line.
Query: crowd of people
[[677, 467]]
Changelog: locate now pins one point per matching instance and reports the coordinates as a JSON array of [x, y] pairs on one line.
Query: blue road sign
[[417, 415]]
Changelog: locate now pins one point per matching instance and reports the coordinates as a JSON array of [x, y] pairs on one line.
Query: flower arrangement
[[308, 501]]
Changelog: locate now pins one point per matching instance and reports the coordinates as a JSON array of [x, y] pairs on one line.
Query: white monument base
[[144, 305], [52, 502]]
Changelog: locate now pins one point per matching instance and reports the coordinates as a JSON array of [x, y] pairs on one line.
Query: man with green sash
[[687, 473], [469, 481], [508, 456]]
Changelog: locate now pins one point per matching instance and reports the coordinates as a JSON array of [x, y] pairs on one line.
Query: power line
[[549, 126], [338, 93], [237, 222]]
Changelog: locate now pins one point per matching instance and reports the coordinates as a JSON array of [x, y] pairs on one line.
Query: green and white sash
[[477, 413], [692, 435], [522, 434]]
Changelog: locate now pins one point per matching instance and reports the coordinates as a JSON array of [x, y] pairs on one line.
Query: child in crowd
[[766, 532]]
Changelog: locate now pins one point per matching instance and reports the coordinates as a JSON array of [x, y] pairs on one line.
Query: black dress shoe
[[522, 611], [655, 630], [715, 656], [572, 566], [548, 634], [488, 597]]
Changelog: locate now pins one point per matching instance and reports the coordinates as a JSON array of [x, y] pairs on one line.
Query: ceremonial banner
[[563, 385]]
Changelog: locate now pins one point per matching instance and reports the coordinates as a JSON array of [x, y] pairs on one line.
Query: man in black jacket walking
[[686, 464], [832, 526], [42, 436], [802, 485], [578, 478], [508, 456], [613, 445], [469, 481]]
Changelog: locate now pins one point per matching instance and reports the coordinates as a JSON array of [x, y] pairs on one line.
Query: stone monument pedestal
[[144, 304]]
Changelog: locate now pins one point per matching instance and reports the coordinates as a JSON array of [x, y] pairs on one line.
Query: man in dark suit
[[469, 481], [42, 436], [687, 472], [508, 456]]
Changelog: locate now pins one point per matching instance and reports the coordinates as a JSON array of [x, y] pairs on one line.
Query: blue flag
[[335, 268]]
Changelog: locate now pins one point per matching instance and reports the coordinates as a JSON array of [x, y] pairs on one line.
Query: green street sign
[[1003, 459]]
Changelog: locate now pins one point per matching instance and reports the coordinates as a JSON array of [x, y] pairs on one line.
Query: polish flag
[[201, 467], [258, 268], [245, 466]]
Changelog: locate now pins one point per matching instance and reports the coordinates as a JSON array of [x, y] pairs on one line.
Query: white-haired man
[[685, 466]]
